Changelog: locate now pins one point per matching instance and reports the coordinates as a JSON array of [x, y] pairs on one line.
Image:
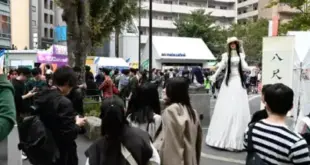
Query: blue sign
[[61, 33], [173, 54]]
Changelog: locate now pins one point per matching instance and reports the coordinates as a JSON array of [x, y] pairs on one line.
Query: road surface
[[209, 156]]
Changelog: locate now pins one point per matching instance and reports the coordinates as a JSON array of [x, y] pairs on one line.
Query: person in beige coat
[[179, 141]]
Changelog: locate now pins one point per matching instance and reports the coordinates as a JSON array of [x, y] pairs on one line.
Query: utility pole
[[139, 28], [150, 40]]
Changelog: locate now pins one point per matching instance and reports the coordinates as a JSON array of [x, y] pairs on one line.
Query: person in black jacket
[[59, 115], [262, 114], [115, 132]]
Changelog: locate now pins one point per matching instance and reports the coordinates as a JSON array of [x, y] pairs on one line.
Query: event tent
[[111, 63], [177, 50], [301, 74]]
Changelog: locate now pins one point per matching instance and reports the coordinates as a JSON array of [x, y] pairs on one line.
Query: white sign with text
[[278, 60]]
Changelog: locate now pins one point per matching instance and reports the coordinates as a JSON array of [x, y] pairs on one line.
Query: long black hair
[[229, 65], [145, 103], [177, 92], [113, 125]]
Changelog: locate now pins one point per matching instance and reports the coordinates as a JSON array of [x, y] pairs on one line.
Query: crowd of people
[[49, 117], [48, 109]]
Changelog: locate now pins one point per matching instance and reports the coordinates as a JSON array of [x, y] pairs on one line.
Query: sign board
[[278, 60], [173, 54], [145, 64], [52, 59]]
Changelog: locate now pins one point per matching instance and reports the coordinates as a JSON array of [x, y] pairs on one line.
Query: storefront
[[177, 52]]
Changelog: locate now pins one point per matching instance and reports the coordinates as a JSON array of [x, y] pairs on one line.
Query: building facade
[[254, 9], [38, 18], [45, 18], [165, 12], [5, 24]]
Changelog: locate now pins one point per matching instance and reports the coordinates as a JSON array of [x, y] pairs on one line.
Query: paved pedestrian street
[[209, 156]]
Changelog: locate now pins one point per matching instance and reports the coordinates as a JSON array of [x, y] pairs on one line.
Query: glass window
[[167, 2], [34, 23], [4, 1], [45, 32], [34, 9], [51, 5], [51, 19], [52, 33], [46, 4], [45, 18], [5, 26]]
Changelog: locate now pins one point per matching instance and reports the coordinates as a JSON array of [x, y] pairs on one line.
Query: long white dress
[[232, 113]]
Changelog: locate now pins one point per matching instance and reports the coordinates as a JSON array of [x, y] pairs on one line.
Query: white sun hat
[[232, 39]]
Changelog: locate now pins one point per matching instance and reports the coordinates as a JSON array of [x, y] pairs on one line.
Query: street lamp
[[139, 28], [150, 39]]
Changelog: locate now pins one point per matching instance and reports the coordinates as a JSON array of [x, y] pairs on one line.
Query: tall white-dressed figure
[[232, 113]]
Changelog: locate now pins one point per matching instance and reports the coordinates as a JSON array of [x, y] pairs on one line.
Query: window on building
[[183, 3], [45, 18], [34, 23], [51, 19], [34, 9], [51, 5], [223, 7], [52, 33], [211, 6], [45, 4], [4, 1], [167, 2], [167, 17], [5, 26], [45, 32]]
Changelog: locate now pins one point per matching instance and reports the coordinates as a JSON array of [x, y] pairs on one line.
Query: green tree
[[300, 21], [251, 34], [200, 24], [91, 21]]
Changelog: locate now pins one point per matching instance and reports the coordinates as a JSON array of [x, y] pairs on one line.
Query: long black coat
[[59, 117]]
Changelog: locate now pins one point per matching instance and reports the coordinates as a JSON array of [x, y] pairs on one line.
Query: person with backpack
[[7, 106], [48, 136]]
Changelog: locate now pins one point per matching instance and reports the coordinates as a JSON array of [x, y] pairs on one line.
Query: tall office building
[[5, 24], [165, 12], [254, 9], [33, 23]]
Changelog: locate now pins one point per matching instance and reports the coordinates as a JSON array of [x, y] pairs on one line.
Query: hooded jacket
[[57, 113], [7, 107]]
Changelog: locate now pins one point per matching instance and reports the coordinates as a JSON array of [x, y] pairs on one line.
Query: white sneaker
[[24, 157]]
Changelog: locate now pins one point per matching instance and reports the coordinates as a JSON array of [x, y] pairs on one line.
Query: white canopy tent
[[111, 63], [301, 74], [177, 50]]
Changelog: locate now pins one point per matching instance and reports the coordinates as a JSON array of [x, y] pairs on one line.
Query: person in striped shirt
[[272, 140]]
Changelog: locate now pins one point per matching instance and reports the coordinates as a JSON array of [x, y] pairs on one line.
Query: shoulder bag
[[252, 157]]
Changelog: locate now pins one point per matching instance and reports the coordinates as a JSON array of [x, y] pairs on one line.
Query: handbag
[[252, 157]]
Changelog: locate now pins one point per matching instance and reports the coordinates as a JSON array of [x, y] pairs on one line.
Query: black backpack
[[37, 141]]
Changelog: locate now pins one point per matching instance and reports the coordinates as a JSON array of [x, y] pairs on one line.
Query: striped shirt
[[277, 145]]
